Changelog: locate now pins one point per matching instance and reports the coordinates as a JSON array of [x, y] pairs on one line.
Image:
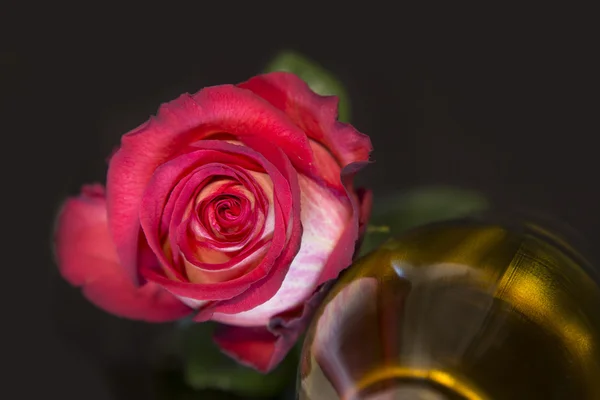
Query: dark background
[[499, 100]]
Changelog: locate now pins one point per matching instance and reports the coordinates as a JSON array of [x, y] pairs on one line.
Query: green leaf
[[206, 367], [395, 214], [318, 78]]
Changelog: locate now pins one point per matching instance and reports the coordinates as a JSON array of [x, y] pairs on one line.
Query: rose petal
[[263, 348], [342, 255], [87, 257], [178, 124], [314, 114], [328, 167], [200, 271], [364, 197]]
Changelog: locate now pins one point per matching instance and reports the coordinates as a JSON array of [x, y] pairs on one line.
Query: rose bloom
[[234, 204]]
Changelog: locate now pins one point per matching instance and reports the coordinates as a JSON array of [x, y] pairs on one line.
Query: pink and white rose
[[233, 204]]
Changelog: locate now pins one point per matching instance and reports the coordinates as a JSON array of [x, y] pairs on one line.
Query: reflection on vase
[[459, 310]]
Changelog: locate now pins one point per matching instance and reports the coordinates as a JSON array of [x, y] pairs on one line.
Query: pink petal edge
[[87, 258], [263, 348], [313, 113]]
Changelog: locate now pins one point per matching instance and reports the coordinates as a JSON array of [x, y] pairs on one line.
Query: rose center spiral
[[227, 216], [228, 209]]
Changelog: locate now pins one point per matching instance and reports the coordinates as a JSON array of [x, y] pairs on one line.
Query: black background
[[495, 99]]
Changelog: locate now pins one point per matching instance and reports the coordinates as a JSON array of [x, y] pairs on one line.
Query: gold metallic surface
[[483, 311]]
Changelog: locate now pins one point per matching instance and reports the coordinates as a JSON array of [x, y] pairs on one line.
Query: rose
[[235, 204]]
